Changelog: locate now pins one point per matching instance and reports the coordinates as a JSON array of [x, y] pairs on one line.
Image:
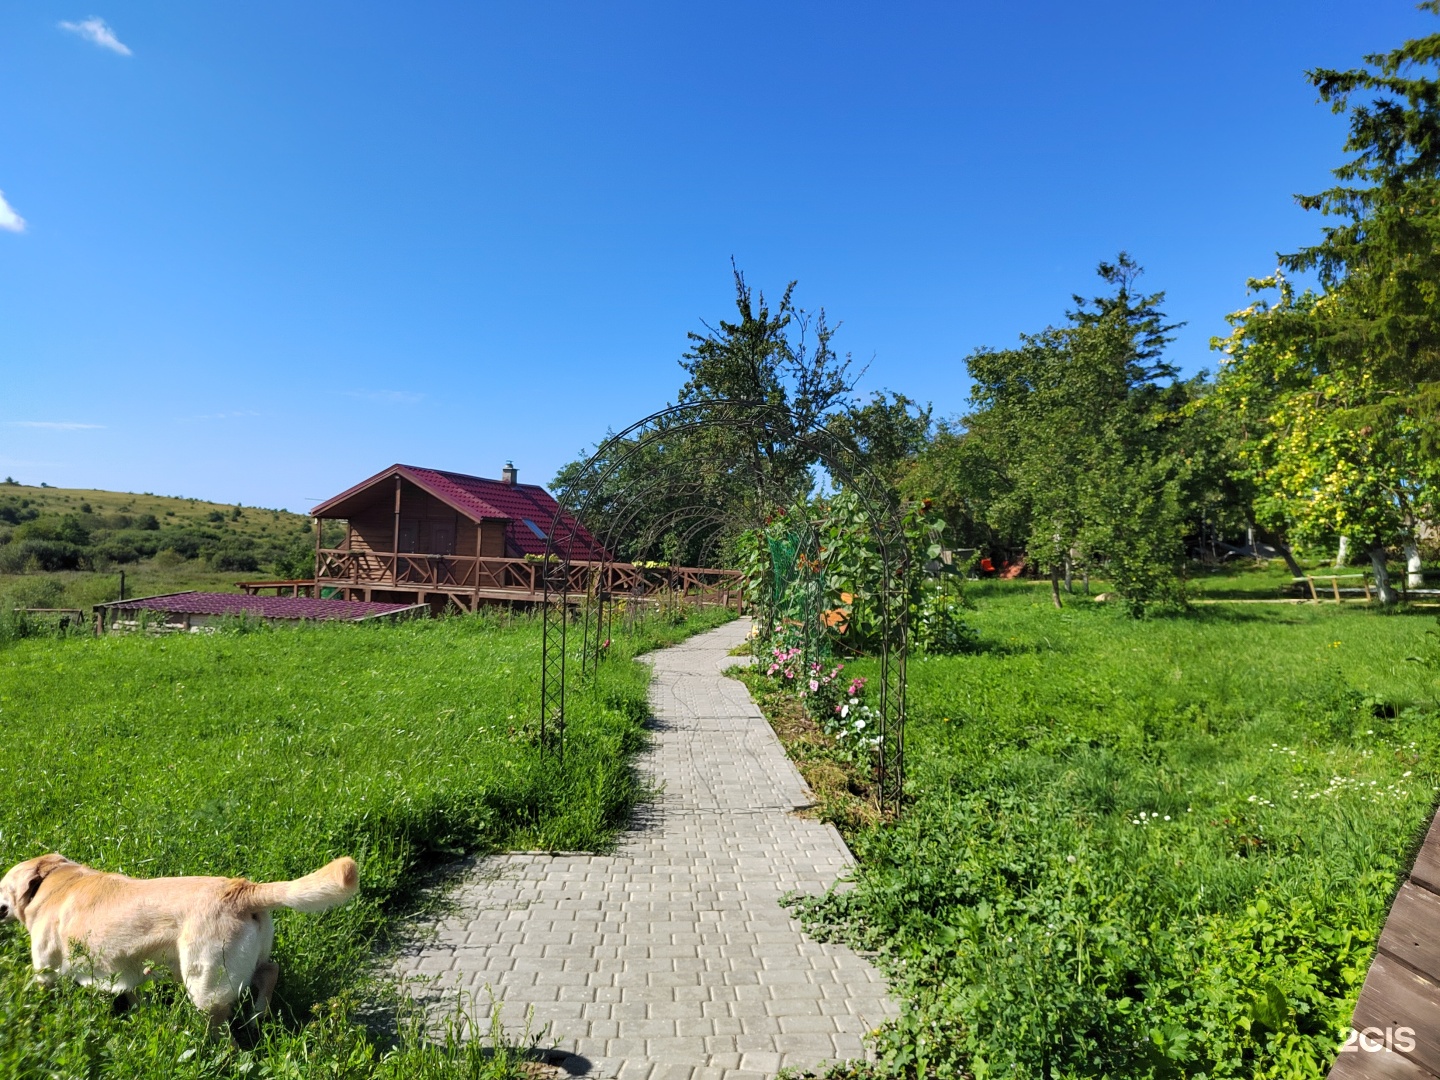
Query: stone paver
[[672, 959]]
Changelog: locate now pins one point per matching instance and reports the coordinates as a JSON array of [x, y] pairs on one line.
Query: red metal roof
[[266, 607], [480, 499]]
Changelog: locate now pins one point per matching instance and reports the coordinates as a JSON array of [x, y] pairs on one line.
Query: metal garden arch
[[563, 589]]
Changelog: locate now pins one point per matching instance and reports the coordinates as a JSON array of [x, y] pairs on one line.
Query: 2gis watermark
[[1372, 1040]]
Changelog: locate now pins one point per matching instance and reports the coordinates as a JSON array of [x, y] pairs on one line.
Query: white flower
[[859, 725]]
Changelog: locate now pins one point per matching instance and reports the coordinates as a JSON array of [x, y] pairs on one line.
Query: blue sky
[[268, 249]]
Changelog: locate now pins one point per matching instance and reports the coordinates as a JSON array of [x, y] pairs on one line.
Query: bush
[[15, 511], [117, 550], [72, 530], [296, 561], [32, 592], [939, 627], [42, 555], [231, 558]]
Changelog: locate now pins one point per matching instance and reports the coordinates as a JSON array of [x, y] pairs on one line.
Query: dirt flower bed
[[845, 794]]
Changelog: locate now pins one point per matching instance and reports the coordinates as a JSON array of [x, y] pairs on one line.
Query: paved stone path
[[672, 959]]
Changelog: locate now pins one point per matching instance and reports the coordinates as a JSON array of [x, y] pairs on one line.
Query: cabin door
[[444, 539]]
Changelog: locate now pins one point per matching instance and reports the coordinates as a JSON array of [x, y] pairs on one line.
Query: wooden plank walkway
[[1396, 1030]]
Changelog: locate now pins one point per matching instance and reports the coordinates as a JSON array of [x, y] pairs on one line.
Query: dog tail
[[330, 886]]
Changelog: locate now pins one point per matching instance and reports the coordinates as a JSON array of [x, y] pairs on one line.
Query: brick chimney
[[507, 474]]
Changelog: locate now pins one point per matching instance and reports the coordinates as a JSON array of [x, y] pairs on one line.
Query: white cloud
[[97, 30], [10, 221], [55, 425]]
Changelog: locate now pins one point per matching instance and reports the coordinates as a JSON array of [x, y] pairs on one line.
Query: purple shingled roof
[[517, 503], [266, 607], [481, 499]]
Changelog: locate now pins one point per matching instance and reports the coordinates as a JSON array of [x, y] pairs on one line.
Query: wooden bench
[[1334, 580]]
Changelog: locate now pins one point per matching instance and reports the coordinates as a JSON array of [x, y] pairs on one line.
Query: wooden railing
[[403, 570]]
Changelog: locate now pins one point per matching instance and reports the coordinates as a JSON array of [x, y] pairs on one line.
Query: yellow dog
[[214, 932]]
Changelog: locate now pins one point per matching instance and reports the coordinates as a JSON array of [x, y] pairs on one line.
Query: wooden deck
[[1396, 1030], [468, 581]]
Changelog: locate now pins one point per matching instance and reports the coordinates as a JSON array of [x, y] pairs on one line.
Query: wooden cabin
[[428, 536]]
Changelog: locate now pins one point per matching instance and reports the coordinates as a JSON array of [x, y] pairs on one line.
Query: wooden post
[[1335, 584], [1313, 594], [395, 545], [316, 575], [1366, 578]]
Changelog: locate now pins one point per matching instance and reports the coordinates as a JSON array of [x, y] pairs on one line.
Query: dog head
[[20, 885]]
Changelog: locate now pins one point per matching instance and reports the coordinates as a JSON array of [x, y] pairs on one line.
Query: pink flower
[[814, 685]]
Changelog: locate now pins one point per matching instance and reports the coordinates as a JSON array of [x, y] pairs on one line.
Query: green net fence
[[797, 595]]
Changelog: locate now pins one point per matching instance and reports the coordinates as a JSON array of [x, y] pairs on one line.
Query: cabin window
[[534, 529]]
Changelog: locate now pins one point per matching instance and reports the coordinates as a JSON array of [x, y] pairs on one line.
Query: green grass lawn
[[264, 754], [1146, 848]]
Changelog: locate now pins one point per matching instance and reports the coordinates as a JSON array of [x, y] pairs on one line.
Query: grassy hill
[[67, 546]]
